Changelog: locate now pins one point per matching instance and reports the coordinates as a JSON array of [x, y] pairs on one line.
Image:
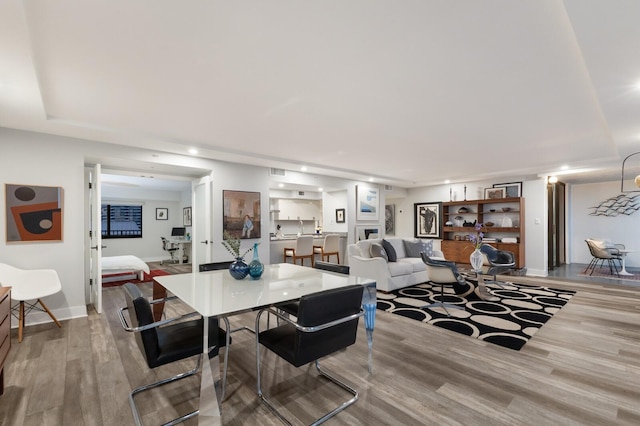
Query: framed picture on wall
[[367, 202], [241, 213], [390, 219], [162, 213], [33, 213], [340, 216], [186, 216], [512, 189], [367, 232], [428, 220]]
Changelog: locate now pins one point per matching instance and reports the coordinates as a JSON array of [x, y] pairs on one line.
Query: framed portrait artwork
[[367, 202], [162, 213], [428, 220], [186, 216], [494, 193], [512, 189], [340, 216], [241, 213]]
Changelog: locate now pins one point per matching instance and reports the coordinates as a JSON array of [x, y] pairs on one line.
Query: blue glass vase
[[256, 268], [238, 269]]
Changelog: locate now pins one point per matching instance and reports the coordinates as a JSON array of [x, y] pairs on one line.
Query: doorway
[[556, 232]]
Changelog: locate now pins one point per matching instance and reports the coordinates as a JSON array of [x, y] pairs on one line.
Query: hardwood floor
[[581, 368]]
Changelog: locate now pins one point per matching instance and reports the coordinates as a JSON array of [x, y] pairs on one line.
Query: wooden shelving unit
[[507, 224]]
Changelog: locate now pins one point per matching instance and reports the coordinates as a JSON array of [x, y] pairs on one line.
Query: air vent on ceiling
[[388, 188], [301, 193], [276, 172]]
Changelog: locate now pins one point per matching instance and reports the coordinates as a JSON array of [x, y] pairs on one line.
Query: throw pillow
[[391, 252], [376, 250], [413, 248]]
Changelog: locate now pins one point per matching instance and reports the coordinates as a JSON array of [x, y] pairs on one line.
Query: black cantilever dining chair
[[327, 322], [167, 341]]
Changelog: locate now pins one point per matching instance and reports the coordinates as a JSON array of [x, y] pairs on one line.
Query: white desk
[[623, 254], [216, 293], [183, 244]]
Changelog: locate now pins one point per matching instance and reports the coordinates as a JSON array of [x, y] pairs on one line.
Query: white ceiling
[[408, 92]]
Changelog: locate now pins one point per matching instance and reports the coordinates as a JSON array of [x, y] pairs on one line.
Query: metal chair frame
[[324, 373], [143, 388]]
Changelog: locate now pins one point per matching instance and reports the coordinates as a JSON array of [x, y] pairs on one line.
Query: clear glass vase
[[476, 259], [256, 268]]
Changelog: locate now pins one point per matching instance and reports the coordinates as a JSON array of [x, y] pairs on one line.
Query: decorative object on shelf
[[489, 224], [238, 269], [340, 216], [512, 189], [506, 209], [256, 268], [477, 258], [448, 223], [493, 193], [468, 224], [465, 193], [241, 213], [463, 210], [492, 210], [162, 213], [427, 220]]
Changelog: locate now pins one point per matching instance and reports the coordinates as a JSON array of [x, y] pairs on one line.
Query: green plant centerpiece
[[238, 269]]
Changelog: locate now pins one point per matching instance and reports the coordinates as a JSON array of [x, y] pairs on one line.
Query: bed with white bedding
[[116, 268]]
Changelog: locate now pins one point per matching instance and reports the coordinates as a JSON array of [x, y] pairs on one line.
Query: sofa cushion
[[417, 265], [365, 247], [391, 252], [413, 249], [397, 269], [376, 250]]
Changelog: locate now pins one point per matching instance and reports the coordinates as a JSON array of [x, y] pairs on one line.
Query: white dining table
[[216, 294]]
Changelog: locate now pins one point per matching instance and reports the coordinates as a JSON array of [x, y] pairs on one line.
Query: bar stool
[[302, 250], [330, 247]]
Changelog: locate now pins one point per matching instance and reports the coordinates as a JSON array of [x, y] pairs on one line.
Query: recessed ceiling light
[[553, 179], [281, 185], [303, 168], [193, 151], [370, 179], [564, 167], [320, 189], [447, 181]]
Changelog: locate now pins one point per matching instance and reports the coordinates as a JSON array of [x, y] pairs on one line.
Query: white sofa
[[406, 271]]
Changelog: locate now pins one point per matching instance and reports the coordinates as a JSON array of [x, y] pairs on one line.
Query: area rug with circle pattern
[[512, 316]]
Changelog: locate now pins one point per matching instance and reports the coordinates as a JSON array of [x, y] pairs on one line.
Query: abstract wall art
[[34, 213]]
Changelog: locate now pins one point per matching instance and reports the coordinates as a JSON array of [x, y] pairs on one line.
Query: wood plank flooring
[[581, 368]]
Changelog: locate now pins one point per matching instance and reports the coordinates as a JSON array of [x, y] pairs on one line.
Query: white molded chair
[[302, 250], [330, 247], [30, 284]]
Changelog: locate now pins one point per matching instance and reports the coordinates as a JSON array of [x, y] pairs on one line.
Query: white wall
[[331, 201], [44, 160], [619, 229]]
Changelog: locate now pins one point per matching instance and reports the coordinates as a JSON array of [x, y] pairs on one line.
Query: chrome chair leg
[[442, 304]]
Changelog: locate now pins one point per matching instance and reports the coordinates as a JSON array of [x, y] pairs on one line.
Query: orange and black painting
[[34, 213]]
